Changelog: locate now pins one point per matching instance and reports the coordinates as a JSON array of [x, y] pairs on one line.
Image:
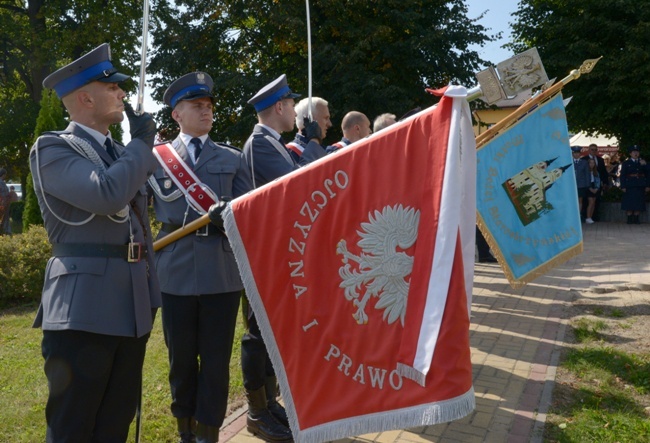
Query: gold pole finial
[[586, 67]]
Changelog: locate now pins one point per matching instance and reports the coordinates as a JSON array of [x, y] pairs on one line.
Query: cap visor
[[195, 95], [114, 78]]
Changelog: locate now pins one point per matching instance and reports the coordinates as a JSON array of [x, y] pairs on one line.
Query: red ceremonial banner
[[359, 269]]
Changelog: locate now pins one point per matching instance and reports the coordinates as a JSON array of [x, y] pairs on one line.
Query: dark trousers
[[255, 362], [482, 245], [94, 385], [199, 333]]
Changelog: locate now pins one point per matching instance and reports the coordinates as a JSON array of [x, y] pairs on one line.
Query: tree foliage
[[368, 55], [38, 36], [613, 98]]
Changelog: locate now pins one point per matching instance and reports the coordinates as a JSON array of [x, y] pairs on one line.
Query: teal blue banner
[[526, 194]]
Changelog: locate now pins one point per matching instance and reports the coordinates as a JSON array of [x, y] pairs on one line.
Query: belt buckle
[[203, 231], [134, 252]]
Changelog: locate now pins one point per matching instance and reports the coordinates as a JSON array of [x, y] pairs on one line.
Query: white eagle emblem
[[382, 266]]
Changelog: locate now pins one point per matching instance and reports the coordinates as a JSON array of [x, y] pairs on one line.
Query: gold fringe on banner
[[544, 268]]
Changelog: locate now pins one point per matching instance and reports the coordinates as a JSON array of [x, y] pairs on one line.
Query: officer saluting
[[100, 291], [200, 282]]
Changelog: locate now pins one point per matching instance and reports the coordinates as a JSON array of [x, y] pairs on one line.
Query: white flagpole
[[309, 61], [139, 108]]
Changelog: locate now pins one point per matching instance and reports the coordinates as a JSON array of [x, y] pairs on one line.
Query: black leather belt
[[206, 230], [132, 252]]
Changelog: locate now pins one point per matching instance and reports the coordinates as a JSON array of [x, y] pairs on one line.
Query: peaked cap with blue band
[[189, 87], [272, 93], [95, 66]]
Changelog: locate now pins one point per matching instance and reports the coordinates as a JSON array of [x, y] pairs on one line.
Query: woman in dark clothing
[[635, 182]]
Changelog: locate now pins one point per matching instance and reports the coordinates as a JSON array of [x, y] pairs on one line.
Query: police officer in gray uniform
[[101, 291], [268, 157], [199, 276]]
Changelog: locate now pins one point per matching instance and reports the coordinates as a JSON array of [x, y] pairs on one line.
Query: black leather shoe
[[489, 259], [260, 421], [279, 413], [265, 426]]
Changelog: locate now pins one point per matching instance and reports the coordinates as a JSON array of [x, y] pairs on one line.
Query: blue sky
[[498, 18]]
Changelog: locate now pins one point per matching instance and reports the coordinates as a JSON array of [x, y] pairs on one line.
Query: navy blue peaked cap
[[576, 148], [94, 66], [270, 94], [189, 87], [633, 148]]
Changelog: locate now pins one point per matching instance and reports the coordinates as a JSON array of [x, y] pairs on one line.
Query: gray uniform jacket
[[197, 265], [268, 156], [103, 295]]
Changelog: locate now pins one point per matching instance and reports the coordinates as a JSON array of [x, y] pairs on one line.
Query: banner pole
[[182, 232], [311, 117]]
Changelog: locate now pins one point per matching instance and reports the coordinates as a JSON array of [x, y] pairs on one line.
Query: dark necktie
[[197, 148], [110, 148]]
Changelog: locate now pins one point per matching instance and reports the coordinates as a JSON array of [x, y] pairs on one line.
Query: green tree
[[36, 37], [368, 55], [613, 98], [50, 118]]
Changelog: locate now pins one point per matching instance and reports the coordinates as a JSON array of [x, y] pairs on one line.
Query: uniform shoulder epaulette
[[226, 145], [56, 133]]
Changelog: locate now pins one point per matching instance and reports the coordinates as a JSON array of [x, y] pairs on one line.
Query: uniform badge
[[200, 78], [167, 184]]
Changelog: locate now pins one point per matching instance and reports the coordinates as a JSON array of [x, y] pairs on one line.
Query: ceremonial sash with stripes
[[295, 148], [338, 145], [197, 194]]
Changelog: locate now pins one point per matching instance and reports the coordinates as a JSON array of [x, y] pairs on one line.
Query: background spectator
[[634, 184], [594, 189]]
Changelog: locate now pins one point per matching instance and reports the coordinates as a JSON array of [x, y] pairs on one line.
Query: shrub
[[613, 194], [22, 266], [32, 213]]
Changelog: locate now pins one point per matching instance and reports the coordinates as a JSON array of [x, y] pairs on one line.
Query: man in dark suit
[[200, 282], [592, 152], [101, 291], [268, 158]]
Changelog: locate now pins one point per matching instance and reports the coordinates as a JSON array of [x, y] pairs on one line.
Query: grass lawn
[[602, 391], [23, 387]]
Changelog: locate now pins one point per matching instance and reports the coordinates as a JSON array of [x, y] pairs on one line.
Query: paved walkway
[[516, 339]]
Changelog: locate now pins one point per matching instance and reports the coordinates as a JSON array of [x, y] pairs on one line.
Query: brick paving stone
[[414, 438]]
